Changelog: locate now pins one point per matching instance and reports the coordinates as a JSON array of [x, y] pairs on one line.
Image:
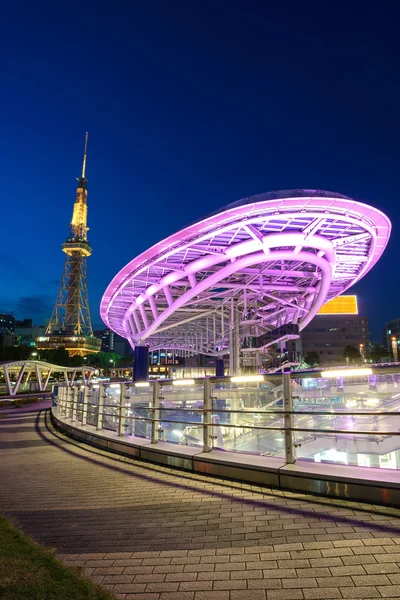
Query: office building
[[7, 322], [336, 325], [393, 339]]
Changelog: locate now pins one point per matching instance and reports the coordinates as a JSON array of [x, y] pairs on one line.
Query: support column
[[156, 412], [219, 367], [234, 339], [207, 407], [231, 344], [122, 408], [288, 419], [141, 363]]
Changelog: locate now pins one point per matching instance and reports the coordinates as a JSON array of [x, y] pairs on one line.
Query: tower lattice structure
[[70, 324]]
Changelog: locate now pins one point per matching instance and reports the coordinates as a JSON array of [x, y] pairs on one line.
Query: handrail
[[261, 427], [111, 411]]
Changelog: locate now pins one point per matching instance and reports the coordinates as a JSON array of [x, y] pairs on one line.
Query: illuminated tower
[[70, 325]]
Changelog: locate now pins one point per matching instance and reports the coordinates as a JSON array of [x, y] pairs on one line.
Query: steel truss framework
[[253, 266], [71, 311], [20, 371]]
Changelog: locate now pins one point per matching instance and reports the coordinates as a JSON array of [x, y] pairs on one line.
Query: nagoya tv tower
[[70, 325]]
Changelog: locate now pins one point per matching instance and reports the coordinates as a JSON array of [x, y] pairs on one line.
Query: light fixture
[[247, 378], [142, 384], [346, 373], [183, 382]]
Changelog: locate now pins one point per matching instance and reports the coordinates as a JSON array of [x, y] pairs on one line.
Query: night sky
[[189, 105]]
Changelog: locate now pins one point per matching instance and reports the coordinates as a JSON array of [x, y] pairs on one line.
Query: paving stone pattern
[[154, 533]]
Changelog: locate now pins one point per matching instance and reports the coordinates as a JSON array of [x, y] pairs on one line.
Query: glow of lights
[[372, 401], [142, 384], [177, 432], [183, 382], [247, 378], [346, 373], [334, 456], [351, 404]]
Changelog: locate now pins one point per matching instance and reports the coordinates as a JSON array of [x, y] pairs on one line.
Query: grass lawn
[[30, 572]]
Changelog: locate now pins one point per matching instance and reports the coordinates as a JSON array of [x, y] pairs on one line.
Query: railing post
[[156, 412], [64, 401], [102, 392], [61, 400], [75, 394], [85, 404], [207, 427], [288, 419], [122, 407], [68, 402]]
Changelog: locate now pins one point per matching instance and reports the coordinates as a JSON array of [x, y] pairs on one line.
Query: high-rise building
[[393, 338], [112, 342], [7, 323], [70, 325], [336, 326]]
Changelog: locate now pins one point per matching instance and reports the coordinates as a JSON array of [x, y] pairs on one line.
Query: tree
[[8, 353], [377, 352], [105, 360], [352, 353], [57, 356], [312, 359]]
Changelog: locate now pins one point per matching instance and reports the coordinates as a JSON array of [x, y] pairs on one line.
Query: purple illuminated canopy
[[277, 257]]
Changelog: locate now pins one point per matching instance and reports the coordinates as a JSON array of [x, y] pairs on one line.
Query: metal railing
[[289, 416]]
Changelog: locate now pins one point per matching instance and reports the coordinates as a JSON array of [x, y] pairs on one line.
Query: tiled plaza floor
[[152, 533]]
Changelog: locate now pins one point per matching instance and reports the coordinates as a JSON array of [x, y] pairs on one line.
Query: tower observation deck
[[70, 325]]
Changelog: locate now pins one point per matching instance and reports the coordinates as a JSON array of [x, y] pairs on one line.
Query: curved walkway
[[152, 533]]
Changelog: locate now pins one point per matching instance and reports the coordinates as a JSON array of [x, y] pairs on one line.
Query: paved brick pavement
[[152, 533]]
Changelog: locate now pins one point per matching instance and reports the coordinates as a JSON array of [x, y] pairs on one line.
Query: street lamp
[[34, 354]]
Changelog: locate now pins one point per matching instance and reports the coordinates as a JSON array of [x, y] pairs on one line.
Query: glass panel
[[111, 406], [242, 410], [92, 405], [368, 440], [180, 414], [138, 411]]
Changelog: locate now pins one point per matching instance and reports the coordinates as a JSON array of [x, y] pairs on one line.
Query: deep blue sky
[[189, 105]]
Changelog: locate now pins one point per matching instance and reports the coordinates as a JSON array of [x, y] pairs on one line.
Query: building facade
[[7, 322], [328, 335], [26, 333], [393, 338]]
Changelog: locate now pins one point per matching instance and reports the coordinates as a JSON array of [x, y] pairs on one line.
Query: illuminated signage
[[341, 305]]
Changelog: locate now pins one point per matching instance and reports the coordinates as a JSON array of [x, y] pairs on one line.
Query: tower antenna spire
[[84, 156]]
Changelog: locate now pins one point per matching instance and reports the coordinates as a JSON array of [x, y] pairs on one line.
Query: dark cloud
[[38, 307]]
